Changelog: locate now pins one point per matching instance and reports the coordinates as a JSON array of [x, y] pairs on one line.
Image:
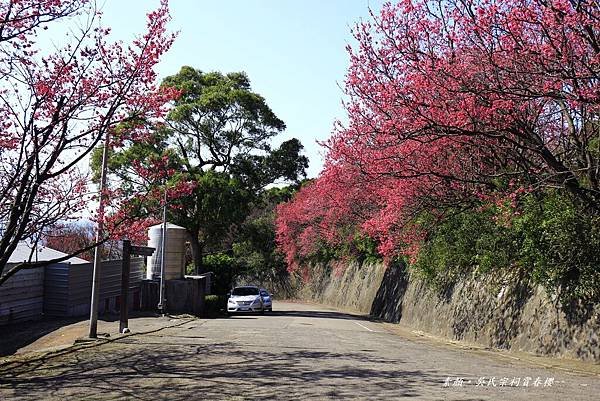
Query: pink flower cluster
[[452, 104]]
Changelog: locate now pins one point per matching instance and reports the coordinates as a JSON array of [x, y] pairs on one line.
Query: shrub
[[224, 268], [214, 305], [559, 245], [547, 238]]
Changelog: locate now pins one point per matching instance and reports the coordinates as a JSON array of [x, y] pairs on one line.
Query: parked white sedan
[[246, 299], [267, 300]]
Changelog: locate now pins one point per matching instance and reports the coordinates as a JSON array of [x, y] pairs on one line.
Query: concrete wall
[[181, 296], [185, 295], [512, 316]]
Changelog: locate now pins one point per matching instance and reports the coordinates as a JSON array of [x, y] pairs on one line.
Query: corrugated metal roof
[[23, 253]]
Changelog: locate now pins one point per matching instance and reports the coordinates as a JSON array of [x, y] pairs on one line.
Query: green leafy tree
[[253, 257], [218, 135], [255, 249]]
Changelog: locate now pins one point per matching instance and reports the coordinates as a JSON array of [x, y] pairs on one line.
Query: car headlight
[[256, 301], [231, 302]]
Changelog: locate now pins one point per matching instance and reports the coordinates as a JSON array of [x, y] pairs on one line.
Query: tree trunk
[[197, 247]]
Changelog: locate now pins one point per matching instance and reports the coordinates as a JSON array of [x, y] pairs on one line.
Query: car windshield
[[241, 291]]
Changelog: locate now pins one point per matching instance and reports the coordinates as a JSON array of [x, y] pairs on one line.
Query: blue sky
[[292, 50]]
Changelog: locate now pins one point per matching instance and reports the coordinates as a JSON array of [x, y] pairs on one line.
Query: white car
[[246, 299], [267, 300]]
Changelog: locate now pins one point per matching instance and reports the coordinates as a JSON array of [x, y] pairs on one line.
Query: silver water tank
[[175, 251]]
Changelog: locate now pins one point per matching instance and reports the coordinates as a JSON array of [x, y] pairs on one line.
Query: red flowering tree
[[56, 106], [70, 239], [455, 103]]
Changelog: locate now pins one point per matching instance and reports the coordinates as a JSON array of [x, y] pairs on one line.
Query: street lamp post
[[163, 256], [98, 251]]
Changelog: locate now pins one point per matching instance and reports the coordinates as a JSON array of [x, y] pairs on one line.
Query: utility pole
[[125, 269], [98, 251], [163, 256]]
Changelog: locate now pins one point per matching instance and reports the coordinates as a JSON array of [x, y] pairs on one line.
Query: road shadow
[[316, 314], [15, 336], [18, 335], [132, 368]]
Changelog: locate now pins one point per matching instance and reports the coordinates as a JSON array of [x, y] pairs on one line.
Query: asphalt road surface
[[299, 352]]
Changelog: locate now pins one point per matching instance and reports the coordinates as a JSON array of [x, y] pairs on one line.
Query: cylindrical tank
[[175, 251]]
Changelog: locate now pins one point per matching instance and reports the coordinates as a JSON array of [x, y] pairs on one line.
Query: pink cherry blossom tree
[[56, 106], [452, 104]]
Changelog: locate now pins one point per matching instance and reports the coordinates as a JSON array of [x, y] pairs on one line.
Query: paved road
[[300, 352]]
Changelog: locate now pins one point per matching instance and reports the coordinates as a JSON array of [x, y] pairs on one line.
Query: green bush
[[464, 242], [546, 239], [225, 268], [560, 246], [360, 248], [214, 305], [366, 248]]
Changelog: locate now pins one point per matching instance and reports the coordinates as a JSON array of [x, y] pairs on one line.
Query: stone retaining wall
[[511, 316]]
